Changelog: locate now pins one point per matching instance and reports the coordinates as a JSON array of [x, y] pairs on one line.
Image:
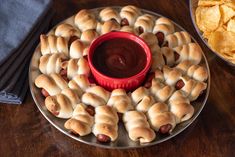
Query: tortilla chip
[[222, 41], [231, 4], [208, 18], [227, 13], [206, 35], [209, 3], [231, 25]]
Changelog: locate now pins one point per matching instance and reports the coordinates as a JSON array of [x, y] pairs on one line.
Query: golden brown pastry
[[168, 55], [191, 87], [191, 52], [67, 31], [170, 75], [95, 96], [180, 106], [76, 66], [106, 124], [109, 13], [159, 88], [52, 44], [162, 28], [129, 29], [80, 83], [151, 41], [89, 35], [85, 20], [138, 127], [157, 60], [160, 118], [129, 15], [142, 99], [120, 101], [53, 83], [144, 23], [51, 63], [110, 25], [196, 72], [62, 104], [77, 49], [81, 121], [177, 39]]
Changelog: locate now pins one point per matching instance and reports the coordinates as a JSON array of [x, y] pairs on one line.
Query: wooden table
[[25, 132]]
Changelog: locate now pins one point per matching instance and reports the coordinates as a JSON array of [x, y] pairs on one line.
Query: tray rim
[[191, 120]]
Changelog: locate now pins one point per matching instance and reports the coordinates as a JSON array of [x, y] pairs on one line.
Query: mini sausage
[[124, 22], [140, 30], [72, 39], [148, 82], [91, 79], [179, 84], [165, 129], [63, 72], [160, 37], [177, 56], [91, 110], [45, 93], [103, 138]]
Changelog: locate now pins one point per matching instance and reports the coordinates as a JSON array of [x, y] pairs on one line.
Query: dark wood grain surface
[[25, 132]]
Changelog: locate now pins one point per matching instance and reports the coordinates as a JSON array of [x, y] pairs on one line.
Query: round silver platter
[[123, 141]]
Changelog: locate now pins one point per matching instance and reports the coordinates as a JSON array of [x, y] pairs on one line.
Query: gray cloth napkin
[[22, 21]]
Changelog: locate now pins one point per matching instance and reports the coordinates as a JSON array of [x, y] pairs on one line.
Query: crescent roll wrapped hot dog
[[142, 99], [191, 87], [160, 87], [62, 104], [51, 63], [67, 31], [196, 72], [88, 36], [81, 121], [85, 20], [138, 127], [180, 106], [110, 25], [160, 118], [151, 41], [120, 101], [52, 44], [177, 39], [109, 13], [74, 67], [129, 15], [106, 124], [95, 96], [51, 84], [129, 29], [144, 23], [162, 28], [191, 52], [80, 83], [77, 49]]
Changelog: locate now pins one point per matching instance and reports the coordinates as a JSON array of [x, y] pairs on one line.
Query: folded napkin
[[22, 21]]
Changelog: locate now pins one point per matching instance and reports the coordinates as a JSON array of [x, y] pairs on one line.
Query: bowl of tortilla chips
[[214, 21]]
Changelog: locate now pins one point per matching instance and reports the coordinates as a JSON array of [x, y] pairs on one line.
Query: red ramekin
[[111, 83]]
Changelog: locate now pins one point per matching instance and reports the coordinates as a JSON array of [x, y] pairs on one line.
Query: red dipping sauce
[[119, 58]]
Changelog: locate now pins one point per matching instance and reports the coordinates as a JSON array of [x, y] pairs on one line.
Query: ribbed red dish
[[111, 83]]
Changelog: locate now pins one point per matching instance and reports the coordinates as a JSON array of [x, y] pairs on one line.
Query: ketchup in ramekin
[[119, 60]]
